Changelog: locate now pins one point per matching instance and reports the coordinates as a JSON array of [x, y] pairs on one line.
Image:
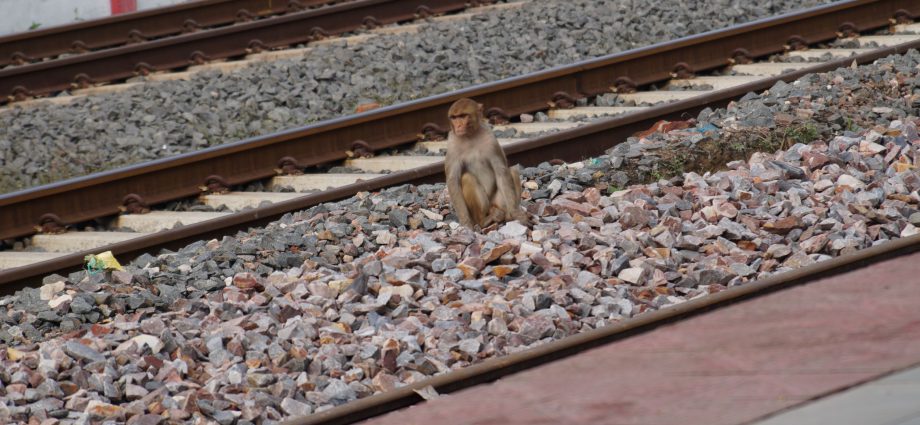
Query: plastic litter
[[706, 127], [101, 262]]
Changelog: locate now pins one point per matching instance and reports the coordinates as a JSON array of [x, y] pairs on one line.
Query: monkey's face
[[462, 124], [465, 116]]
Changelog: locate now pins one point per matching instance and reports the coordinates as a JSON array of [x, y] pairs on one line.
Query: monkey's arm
[[509, 201], [453, 169]]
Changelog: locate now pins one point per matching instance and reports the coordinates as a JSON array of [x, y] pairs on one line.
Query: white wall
[[20, 15]]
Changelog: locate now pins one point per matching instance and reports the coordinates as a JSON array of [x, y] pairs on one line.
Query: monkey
[[483, 190]]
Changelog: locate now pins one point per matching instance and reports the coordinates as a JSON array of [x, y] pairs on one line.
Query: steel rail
[[493, 369], [140, 26], [199, 47], [180, 176]]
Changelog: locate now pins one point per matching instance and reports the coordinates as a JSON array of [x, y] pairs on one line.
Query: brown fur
[[483, 189]]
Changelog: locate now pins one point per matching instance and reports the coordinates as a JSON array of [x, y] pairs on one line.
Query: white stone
[[295, 408], [872, 136], [909, 230], [141, 341], [870, 148], [513, 229], [47, 292], [234, 377], [823, 184], [538, 235], [60, 300], [848, 180], [626, 307], [432, 215], [134, 392], [150, 341], [384, 237], [404, 291], [470, 346], [710, 213], [632, 274], [529, 248], [778, 250]]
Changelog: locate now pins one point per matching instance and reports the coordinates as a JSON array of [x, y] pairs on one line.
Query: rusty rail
[[181, 51], [137, 27], [102, 194]]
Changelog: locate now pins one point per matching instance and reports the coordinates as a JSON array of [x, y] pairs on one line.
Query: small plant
[[803, 134], [736, 146], [669, 166], [766, 143], [34, 25], [850, 125], [673, 165]]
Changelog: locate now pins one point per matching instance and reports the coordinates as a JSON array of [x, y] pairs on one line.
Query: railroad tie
[[441, 147], [769, 69], [156, 221], [12, 259], [81, 241], [392, 163], [819, 53], [592, 111], [653, 97], [716, 82], [887, 40], [237, 201], [538, 127], [314, 182]]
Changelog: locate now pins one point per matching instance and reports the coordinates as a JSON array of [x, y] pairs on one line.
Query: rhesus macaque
[[483, 189]]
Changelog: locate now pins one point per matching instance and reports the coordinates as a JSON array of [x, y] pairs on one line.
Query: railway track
[[127, 193], [99, 34], [251, 58], [104, 57]]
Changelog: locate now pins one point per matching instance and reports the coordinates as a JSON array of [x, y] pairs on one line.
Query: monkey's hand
[[520, 215], [496, 215]]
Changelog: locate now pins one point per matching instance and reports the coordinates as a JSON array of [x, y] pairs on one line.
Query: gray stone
[[79, 351], [79, 305], [338, 390], [442, 264]]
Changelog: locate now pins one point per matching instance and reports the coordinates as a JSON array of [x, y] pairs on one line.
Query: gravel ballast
[[47, 143], [384, 289]]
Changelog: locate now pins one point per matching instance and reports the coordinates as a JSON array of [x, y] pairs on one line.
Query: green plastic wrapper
[[101, 262]]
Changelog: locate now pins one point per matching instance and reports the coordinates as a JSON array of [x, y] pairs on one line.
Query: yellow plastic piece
[[102, 261]]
